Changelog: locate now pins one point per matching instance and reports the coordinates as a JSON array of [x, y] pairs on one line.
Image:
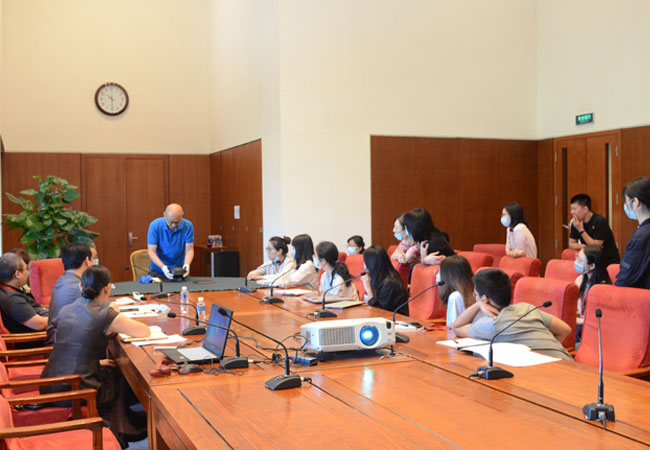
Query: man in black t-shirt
[[20, 313], [590, 228]]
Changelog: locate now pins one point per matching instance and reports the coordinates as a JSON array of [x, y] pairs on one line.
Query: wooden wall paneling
[[392, 168], [227, 199], [17, 172], [434, 182], [635, 162], [545, 201], [190, 186], [216, 226], [104, 196], [576, 161], [596, 173], [480, 208], [617, 204], [254, 223]]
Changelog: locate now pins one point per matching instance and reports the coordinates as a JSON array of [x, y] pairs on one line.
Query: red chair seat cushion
[[76, 439]]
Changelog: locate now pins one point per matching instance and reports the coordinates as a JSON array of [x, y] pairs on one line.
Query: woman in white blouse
[[519, 240], [304, 274], [336, 279], [457, 291], [279, 262]]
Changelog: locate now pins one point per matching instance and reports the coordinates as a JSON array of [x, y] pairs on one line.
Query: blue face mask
[[351, 250], [407, 233], [276, 259], [316, 262], [398, 236], [505, 221], [578, 267], [629, 213]]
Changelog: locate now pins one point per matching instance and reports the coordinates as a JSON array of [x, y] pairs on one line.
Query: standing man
[[590, 228], [170, 242]]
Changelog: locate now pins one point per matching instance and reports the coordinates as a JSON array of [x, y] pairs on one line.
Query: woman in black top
[[635, 265], [382, 282]]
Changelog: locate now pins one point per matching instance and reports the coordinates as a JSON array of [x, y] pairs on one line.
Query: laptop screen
[[216, 338]]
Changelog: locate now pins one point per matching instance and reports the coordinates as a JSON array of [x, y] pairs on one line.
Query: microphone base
[[234, 362], [324, 313], [193, 331], [493, 373], [593, 411], [284, 382], [271, 300], [247, 289], [401, 337]]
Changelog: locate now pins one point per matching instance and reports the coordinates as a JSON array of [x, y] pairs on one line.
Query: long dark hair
[[93, 280], [304, 248], [420, 225], [457, 274], [281, 244], [516, 213], [380, 268], [594, 255], [358, 241], [327, 250], [638, 188]]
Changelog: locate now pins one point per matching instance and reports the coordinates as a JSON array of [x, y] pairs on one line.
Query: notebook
[[213, 345]]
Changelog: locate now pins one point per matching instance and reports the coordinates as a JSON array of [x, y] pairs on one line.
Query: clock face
[[111, 99]]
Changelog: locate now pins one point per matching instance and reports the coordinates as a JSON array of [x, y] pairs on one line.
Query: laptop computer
[[214, 343]]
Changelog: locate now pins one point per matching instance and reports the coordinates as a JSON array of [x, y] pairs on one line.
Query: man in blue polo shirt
[[170, 242]]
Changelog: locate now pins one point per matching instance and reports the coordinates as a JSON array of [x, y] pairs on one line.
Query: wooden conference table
[[420, 398]]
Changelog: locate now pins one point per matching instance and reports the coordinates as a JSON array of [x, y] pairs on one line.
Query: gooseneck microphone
[[600, 411], [270, 299], [245, 287], [234, 362], [490, 372], [401, 337], [286, 381], [189, 331], [327, 313]]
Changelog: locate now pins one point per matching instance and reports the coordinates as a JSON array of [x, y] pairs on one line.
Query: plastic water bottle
[[185, 301], [200, 308]]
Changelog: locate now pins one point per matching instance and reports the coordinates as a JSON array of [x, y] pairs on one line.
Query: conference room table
[[419, 397]]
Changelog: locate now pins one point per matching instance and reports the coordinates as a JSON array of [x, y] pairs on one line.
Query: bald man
[[170, 242]]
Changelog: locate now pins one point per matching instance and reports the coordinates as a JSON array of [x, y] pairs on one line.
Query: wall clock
[[111, 99]]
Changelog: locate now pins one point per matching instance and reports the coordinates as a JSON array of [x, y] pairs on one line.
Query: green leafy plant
[[47, 223]]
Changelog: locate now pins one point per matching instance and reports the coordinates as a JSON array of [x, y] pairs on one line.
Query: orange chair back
[[355, 267], [428, 305], [3, 329], [342, 257], [569, 254], [404, 270], [613, 270], [477, 259], [530, 267], [391, 250], [563, 294], [625, 326], [497, 251], [42, 278], [561, 269]]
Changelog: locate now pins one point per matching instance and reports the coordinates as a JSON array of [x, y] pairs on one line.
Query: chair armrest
[[90, 395], [24, 337], [641, 372], [73, 380], [28, 363], [94, 424], [26, 352]]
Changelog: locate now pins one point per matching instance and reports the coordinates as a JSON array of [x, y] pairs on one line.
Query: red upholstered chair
[[613, 270], [23, 364], [569, 254], [561, 269], [404, 270], [498, 251], [625, 330], [427, 306], [530, 267], [42, 278], [343, 257], [477, 259], [355, 267], [563, 294], [513, 274], [391, 250]]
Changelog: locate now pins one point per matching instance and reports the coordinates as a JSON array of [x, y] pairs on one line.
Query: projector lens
[[369, 335]]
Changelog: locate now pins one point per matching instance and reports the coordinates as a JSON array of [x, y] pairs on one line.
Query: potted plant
[[47, 222]]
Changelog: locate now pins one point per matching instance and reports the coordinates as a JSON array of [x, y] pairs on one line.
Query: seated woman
[[457, 293], [279, 262], [519, 240], [383, 285], [305, 273], [432, 244], [589, 264], [407, 250], [356, 245], [635, 265], [336, 279], [82, 331]]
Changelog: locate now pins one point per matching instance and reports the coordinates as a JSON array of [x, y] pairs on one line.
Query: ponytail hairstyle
[[516, 213], [281, 244], [304, 247], [327, 250], [93, 280]]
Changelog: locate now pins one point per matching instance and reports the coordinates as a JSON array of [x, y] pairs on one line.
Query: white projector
[[348, 334]]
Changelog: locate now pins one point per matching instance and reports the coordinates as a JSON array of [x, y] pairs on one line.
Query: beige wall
[[592, 57], [57, 53]]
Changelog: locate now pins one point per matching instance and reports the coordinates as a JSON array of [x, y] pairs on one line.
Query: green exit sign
[[581, 119]]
